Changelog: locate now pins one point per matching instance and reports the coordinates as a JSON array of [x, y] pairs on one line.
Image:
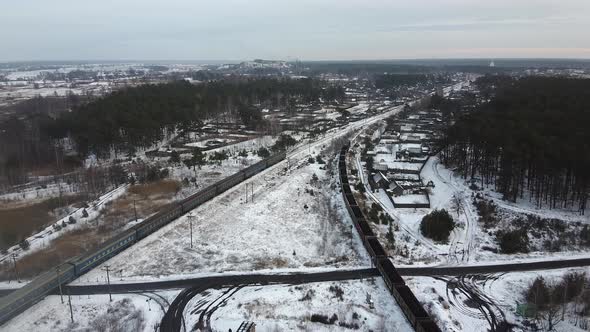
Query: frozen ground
[[290, 224], [294, 221], [470, 303], [360, 305], [127, 312]]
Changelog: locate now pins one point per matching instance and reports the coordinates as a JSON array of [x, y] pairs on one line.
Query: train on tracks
[[415, 313], [24, 297]]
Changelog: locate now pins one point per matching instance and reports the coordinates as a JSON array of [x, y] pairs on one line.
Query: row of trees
[[531, 138]]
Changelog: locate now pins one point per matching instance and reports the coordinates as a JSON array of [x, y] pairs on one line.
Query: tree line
[[529, 140], [140, 116]]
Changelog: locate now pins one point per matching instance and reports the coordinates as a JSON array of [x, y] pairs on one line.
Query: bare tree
[[457, 203]]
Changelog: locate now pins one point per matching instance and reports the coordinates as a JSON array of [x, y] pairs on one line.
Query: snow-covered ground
[[469, 242], [293, 222], [361, 305], [455, 302], [127, 312]]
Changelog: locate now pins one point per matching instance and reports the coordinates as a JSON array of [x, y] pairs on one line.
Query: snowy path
[[463, 240]]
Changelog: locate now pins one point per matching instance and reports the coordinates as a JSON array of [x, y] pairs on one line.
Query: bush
[[359, 187], [24, 244], [437, 225], [338, 292], [311, 160], [514, 241], [71, 220], [283, 143], [243, 153], [320, 160], [263, 152], [174, 157], [84, 213], [585, 236], [487, 212], [317, 318]]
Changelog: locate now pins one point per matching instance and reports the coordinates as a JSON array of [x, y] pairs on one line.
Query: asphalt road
[[494, 268], [288, 278], [223, 280]]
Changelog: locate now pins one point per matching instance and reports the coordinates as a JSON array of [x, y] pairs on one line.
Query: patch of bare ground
[[148, 198], [17, 222]]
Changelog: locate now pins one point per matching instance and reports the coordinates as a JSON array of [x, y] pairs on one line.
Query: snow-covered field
[[127, 312], [297, 219], [361, 305], [294, 221], [469, 303]]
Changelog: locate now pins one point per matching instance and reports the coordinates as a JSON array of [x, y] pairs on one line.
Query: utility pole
[[15, 269], [70, 303], [351, 248], [61, 294], [252, 192], [135, 209], [106, 268], [246, 193], [190, 220]]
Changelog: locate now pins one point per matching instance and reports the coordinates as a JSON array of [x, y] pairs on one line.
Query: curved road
[[173, 320]]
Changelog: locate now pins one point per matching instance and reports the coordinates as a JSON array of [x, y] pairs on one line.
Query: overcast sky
[[292, 29]]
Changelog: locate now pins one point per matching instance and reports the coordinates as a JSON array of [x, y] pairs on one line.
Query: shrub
[[320, 160], [317, 318], [174, 157], [243, 153], [359, 187], [514, 241], [283, 143], [585, 236], [487, 212], [311, 160], [338, 292], [84, 213], [390, 236], [263, 152], [71, 220], [437, 225], [24, 244]]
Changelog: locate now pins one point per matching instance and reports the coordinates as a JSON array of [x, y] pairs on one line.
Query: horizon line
[[224, 61]]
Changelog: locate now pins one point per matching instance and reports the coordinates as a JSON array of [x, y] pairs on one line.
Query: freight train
[[411, 307], [24, 297]]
